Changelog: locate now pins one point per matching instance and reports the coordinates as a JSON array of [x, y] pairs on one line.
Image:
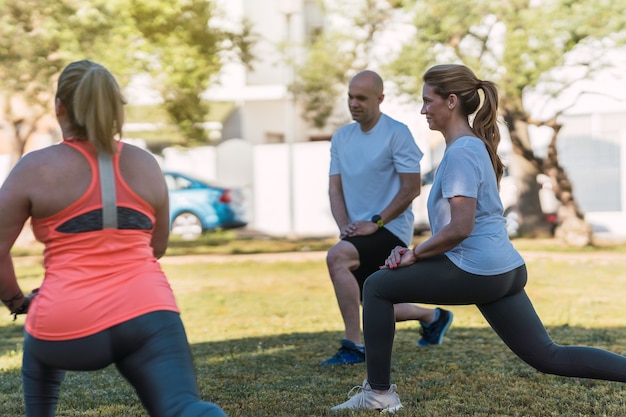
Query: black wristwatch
[[378, 220]]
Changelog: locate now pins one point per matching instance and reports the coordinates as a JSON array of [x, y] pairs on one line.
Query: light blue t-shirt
[[466, 170], [369, 164]]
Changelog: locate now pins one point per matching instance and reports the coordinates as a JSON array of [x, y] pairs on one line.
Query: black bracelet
[[9, 303], [21, 309]]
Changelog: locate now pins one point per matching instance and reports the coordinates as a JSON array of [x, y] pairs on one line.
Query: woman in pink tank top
[[100, 207]]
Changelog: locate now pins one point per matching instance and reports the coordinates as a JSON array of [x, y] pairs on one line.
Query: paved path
[[254, 257]]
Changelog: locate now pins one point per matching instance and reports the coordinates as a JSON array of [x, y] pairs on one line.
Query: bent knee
[[552, 359], [343, 255], [376, 279]]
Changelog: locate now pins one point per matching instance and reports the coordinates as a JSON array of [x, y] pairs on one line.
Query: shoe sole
[[392, 410], [323, 364]]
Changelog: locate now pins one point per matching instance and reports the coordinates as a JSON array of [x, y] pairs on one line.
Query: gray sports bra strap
[[107, 186]]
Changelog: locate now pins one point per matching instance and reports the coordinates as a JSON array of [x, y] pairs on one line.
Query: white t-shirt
[[369, 164], [466, 170]]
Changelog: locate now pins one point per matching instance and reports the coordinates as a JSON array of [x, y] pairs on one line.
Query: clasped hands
[[399, 257], [359, 228]]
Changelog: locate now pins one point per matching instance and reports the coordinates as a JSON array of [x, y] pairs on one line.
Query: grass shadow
[[472, 373]]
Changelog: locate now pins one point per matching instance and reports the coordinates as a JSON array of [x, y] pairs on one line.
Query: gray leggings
[[502, 301], [150, 351]]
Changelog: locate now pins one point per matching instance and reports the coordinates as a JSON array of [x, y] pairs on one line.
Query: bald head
[[369, 79]]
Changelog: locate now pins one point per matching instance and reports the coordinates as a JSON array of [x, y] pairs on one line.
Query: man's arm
[[410, 187], [337, 202]]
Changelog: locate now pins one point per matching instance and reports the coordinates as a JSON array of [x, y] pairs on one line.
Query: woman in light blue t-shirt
[[469, 258]]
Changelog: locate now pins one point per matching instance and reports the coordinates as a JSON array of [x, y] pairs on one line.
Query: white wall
[[277, 207], [199, 162], [307, 213]]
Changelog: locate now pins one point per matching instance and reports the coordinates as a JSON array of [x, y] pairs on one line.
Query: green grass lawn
[[259, 329]]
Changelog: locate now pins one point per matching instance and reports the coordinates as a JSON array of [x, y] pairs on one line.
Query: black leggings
[[150, 351], [502, 301]]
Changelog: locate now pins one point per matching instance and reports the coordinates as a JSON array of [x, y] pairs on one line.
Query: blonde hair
[[94, 103], [461, 81]]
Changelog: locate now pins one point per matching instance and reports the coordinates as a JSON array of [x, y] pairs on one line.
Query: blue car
[[197, 206]]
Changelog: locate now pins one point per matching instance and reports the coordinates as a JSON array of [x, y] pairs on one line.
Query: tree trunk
[[22, 121], [22, 130], [573, 229], [525, 167]]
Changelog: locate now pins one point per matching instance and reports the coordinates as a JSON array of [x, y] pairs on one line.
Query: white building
[[265, 112]]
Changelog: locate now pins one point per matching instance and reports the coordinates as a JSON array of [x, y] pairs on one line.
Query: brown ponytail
[[94, 103]]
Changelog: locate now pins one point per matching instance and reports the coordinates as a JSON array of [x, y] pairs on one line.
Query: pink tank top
[[96, 278]]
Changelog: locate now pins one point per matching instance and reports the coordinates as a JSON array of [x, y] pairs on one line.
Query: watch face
[[377, 219]]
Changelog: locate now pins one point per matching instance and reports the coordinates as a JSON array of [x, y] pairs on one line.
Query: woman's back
[[109, 274], [53, 178], [67, 172]]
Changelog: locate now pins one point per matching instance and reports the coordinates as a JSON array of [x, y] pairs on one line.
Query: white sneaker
[[366, 399]]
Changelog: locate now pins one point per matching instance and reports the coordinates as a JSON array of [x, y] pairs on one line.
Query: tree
[[335, 55], [522, 45], [37, 39], [185, 50], [175, 39]]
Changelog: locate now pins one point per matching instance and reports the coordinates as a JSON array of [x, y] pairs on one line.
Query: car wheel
[[187, 225], [512, 221]]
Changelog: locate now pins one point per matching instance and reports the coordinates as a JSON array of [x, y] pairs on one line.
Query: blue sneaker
[[432, 334], [347, 354]]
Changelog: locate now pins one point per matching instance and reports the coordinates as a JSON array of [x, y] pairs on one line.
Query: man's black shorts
[[373, 250]]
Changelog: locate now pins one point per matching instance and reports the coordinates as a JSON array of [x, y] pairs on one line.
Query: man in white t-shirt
[[374, 177]]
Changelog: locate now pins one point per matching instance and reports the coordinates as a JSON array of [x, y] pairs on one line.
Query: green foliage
[[177, 41], [322, 78], [154, 113], [167, 134], [38, 38], [337, 54], [516, 43], [184, 54]]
